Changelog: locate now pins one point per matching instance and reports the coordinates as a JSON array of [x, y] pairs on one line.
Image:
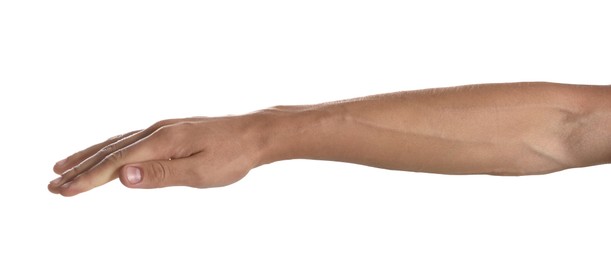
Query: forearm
[[505, 129]]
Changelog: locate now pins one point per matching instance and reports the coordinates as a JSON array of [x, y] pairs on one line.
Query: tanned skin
[[508, 129]]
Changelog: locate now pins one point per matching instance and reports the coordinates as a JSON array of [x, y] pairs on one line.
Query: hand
[[196, 152]]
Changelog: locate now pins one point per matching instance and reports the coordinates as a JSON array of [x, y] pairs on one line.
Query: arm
[[500, 129]]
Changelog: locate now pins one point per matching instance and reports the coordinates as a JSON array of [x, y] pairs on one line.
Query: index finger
[[80, 156]]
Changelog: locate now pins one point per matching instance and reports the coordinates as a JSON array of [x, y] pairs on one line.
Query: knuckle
[[160, 172], [186, 127], [163, 123], [108, 149], [176, 139], [115, 157], [115, 138], [164, 133], [77, 168], [70, 174], [183, 130]]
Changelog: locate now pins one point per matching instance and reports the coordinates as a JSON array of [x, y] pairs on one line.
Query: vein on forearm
[[497, 139], [501, 129]]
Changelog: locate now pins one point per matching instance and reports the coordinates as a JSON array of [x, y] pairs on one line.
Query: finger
[[160, 173], [99, 156], [105, 151], [107, 147], [75, 159], [107, 169]]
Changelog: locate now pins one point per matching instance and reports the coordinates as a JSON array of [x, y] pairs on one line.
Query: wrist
[[292, 132]]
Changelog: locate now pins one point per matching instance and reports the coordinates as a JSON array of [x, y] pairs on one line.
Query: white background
[[73, 73]]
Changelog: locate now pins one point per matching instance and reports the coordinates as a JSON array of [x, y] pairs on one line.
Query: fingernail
[[56, 181], [65, 185], [62, 162], [133, 174]]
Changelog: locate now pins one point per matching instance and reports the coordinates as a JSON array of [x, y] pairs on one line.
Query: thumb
[[151, 174]]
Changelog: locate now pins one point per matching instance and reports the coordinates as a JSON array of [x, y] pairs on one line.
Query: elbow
[[586, 128]]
